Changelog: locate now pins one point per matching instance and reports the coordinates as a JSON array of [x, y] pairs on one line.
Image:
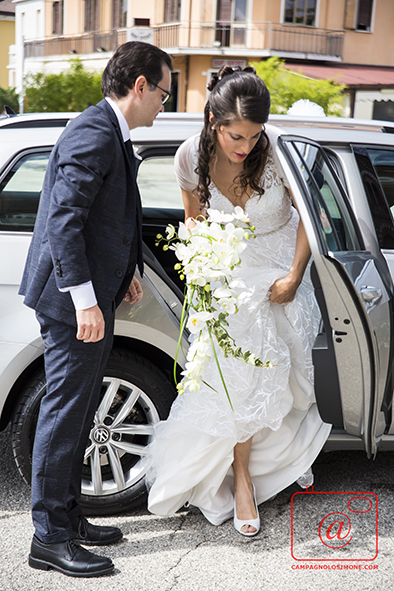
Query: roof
[[353, 76], [7, 7]]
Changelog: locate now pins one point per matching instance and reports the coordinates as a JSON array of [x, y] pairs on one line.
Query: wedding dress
[[192, 452]]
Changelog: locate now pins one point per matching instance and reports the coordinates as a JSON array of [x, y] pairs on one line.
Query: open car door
[[353, 352]]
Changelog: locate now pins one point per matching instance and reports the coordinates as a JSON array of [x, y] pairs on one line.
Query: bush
[[9, 97], [287, 87], [72, 90]]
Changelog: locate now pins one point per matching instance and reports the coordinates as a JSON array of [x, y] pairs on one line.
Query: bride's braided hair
[[236, 95]]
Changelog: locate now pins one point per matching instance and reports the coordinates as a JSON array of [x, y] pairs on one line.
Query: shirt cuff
[[83, 295]]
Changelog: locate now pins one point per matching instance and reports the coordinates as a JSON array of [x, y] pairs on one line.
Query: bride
[[225, 461]]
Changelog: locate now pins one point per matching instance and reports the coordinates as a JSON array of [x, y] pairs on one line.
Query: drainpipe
[[186, 80], [22, 92]]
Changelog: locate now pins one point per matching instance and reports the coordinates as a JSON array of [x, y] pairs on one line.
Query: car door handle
[[371, 295]]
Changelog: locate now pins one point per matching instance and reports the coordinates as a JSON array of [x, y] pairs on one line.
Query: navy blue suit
[[86, 218], [88, 228]]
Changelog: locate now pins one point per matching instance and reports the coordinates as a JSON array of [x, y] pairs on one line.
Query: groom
[[86, 245]]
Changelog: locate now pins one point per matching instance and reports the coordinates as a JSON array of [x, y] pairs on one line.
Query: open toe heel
[[239, 523]]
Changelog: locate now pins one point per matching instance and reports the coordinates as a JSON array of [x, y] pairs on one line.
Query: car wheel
[[135, 395]]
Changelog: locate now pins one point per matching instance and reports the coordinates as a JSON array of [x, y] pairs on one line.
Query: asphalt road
[[186, 553]]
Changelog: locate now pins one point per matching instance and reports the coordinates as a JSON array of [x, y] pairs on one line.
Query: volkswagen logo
[[101, 435]]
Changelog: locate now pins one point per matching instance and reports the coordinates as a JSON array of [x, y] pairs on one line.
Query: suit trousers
[[74, 372]]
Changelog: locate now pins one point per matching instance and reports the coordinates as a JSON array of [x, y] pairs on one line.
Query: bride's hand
[[284, 290]]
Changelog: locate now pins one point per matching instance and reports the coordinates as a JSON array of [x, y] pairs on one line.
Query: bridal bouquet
[[208, 254]]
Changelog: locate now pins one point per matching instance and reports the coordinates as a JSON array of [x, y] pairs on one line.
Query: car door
[[354, 291], [20, 189], [161, 202]]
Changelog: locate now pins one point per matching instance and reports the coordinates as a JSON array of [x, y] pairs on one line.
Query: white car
[[341, 173]]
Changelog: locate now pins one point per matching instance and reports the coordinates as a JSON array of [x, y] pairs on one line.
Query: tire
[[135, 395]]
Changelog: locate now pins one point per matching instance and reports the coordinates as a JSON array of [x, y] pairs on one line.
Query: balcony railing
[[212, 36], [251, 36], [83, 44]]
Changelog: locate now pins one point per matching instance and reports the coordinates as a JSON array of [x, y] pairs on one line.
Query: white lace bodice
[[268, 212]]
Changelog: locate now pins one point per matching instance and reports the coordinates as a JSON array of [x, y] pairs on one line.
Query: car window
[[336, 225], [376, 172], [383, 161], [20, 192], [157, 183]]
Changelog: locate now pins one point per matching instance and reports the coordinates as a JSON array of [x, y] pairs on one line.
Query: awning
[[352, 76]]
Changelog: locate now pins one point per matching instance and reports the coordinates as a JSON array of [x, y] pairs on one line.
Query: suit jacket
[[89, 212]]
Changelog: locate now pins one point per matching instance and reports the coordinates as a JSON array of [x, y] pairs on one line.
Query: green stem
[[218, 366], [209, 386]]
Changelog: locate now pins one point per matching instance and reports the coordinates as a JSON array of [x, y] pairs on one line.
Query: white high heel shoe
[[239, 523]]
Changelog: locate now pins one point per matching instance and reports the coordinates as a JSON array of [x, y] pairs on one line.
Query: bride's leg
[[243, 485]]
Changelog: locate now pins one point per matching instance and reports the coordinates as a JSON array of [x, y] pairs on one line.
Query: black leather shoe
[[94, 535], [69, 558]]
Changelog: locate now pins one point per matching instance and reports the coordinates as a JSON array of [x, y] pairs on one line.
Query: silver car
[[341, 173]]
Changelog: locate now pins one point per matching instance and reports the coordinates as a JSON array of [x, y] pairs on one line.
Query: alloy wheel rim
[[123, 426]]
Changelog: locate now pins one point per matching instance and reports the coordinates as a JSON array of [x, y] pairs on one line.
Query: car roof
[[19, 132]]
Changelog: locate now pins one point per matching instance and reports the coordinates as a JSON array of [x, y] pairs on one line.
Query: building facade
[[7, 38], [202, 35]]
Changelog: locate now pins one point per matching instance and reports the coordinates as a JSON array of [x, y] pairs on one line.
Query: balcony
[[260, 39], [100, 41], [218, 38]]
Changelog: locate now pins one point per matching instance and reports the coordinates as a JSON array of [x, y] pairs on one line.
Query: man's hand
[[134, 293], [91, 325]]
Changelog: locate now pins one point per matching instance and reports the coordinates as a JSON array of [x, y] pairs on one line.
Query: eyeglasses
[[167, 94]]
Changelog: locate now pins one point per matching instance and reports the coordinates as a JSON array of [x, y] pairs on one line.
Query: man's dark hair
[[131, 60]]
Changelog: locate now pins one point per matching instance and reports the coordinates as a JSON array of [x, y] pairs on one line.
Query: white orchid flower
[[222, 292], [182, 252], [219, 216], [183, 232], [240, 215], [202, 245], [197, 321], [237, 284], [228, 257], [222, 250], [199, 280], [229, 305], [194, 386], [200, 348], [194, 369], [193, 268], [170, 231], [214, 274], [235, 236], [217, 232]]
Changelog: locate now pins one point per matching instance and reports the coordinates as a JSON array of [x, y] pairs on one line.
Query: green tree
[[9, 97], [287, 87], [72, 90]]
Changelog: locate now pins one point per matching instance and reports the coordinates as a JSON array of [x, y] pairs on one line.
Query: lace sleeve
[[185, 163], [273, 137]]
